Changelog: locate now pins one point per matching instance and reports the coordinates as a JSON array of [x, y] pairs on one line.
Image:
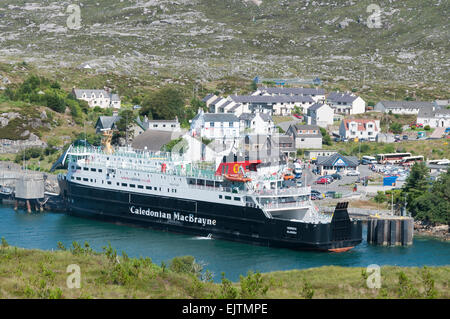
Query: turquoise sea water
[[44, 230]]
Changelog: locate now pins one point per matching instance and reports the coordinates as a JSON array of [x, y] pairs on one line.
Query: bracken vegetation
[[33, 273]]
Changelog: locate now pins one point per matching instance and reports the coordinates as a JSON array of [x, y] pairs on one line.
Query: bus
[[391, 158], [368, 160], [410, 160]]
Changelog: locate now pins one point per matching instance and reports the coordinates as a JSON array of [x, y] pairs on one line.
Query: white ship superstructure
[[159, 174]]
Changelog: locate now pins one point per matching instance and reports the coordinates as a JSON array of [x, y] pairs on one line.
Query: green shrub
[[252, 286]]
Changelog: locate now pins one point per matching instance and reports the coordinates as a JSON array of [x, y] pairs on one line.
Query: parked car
[[330, 194], [298, 116], [336, 176], [405, 137], [353, 173], [299, 183], [317, 194], [322, 180]]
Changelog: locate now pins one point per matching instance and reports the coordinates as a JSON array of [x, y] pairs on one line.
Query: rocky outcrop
[[431, 229]]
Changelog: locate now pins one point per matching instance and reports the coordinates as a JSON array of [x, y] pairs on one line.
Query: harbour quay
[[390, 230]]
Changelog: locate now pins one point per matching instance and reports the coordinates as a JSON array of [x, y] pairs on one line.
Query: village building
[[336, 163], [363, 129], [314, 154], [346, 103], [320, 114], [257, 123], [162, 125], [211, 125], [305, 136], [435, 117], [402, 107], [154, 140], [316, 94], [101, 98]]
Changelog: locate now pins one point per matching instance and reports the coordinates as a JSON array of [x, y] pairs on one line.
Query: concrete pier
[[390, 231]]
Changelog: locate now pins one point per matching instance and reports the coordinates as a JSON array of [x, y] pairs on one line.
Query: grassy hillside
[[42, 274], [211, 39]]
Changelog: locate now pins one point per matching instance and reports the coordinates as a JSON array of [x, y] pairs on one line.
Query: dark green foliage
[[252, 286], [227, 291], [406, 288], [307, 291], [428, 282], [326, 139], [165, 104], [427, 128], [32, 152], [396, 128], [429, 203], [169, 146]]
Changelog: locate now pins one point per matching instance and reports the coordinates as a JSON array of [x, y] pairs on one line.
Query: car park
[[336, 176], [353, 173], [330, 194], [322, 180], [317, 194]]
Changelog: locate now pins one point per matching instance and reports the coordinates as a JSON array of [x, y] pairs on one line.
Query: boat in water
[[232, 200]]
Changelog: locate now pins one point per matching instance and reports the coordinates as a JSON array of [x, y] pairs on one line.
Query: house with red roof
[[365, 129]]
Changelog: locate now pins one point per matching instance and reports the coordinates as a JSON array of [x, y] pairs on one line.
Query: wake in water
[[203, 237]]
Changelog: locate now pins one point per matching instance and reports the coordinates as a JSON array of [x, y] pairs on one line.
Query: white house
[[257, 123], [273, 105], [402, 107], [320, 114], [161, 125], [100, 98], [215, 126], [346, 103], [434, 118], [359, 128]]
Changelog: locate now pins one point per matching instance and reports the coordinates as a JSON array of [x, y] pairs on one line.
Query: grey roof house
[[306, 136]]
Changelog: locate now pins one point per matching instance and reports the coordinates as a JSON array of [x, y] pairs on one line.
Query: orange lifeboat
[[287, 177], [237, 178]]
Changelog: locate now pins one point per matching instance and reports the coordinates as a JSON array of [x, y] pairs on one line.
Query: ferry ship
[[238, 200]]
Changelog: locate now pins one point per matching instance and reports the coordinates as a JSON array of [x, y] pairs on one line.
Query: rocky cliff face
[[210, 39]]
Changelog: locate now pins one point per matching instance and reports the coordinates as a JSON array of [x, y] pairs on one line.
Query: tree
[[396, 128], [124, 125], [326, 139], [416, 184], [164, 104], [434, 205]]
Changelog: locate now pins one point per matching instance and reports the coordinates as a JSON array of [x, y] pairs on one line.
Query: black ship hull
[[235, 223]]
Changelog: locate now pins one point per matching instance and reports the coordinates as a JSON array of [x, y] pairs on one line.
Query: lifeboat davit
[[237, 178]]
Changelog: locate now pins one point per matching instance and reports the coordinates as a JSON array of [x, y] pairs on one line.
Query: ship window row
[[238, 199]]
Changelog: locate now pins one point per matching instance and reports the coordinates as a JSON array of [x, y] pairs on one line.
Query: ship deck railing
[[285, 205], [294, 191]]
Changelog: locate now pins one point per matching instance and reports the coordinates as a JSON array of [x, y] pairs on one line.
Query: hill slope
[[210, 39]]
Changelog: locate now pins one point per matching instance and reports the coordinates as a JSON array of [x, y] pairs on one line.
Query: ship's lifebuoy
[[236, 168]]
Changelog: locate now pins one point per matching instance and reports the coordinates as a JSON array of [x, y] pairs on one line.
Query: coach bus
[[410, 160], [391, 158]]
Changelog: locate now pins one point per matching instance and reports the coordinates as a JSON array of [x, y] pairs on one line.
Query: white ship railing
[[281, 205], [295, 191]]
